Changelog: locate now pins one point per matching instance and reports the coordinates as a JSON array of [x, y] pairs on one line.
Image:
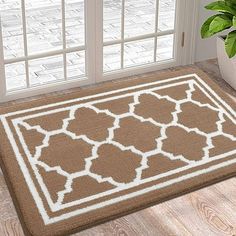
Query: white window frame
[[185, 29], [66, 84], [186, 22]]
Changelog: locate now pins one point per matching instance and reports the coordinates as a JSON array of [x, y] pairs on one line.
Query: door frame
[[186, 25], [90, 50], [2, 69], [186, 22]]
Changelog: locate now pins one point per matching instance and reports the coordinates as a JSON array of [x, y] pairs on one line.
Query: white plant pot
[[227, 65]]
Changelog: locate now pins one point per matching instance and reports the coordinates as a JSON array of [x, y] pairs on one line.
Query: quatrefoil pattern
[[92, 149]]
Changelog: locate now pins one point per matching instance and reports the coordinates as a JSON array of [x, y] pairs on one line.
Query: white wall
[[205, 48]]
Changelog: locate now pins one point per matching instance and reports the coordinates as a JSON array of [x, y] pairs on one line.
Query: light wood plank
[[11, 227]]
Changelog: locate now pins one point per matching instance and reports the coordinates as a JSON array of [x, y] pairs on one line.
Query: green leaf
[[234, 21], [230, 44], [205, 32], [222, 6], [220, 23], [231, 2]]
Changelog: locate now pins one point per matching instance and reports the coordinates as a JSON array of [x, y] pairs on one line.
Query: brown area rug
[[74, 161]]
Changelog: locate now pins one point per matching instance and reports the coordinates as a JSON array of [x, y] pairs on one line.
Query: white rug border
[[38, 201], [55, 207]]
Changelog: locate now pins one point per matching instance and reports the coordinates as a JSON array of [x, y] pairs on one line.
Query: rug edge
[[26, 229]]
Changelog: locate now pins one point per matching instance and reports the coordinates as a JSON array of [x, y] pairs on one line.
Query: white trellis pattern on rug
[[142, 155]]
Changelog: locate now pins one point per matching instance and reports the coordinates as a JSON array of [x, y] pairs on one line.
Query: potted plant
[[225, 19]]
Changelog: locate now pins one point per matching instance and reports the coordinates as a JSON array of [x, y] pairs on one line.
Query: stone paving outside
[[44, 23]]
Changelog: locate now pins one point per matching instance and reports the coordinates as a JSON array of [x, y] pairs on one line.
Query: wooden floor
[[210, 211]]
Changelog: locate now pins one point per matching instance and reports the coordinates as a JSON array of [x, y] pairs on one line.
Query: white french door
[[142, 36], [49, 45]]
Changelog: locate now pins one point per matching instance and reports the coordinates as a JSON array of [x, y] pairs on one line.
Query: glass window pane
[[10, 13], [75, 32], [166, 19], [46, 70], [44, 25], [139, 17], [112, 19], [139, 52], [165, 47], [15, 76], [75, 65], [112, 58]]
